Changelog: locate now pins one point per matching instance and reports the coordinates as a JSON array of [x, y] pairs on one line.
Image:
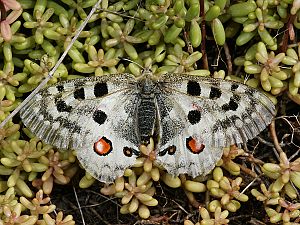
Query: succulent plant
[[286, 173], [219, 217], [253, 41]]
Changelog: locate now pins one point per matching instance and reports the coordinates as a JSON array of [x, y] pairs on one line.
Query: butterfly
[[105, 119]]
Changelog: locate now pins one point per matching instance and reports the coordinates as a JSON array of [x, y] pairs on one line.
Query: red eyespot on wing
[[103, 147], [193, 146]]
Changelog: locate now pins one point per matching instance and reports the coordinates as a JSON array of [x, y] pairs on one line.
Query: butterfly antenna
[[45, 81], [139, 65], [122, 14]]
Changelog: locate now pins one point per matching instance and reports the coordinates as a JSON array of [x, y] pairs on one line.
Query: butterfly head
[[147, 73], [147, 81]]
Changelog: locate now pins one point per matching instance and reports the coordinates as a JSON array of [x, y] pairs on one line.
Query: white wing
[[94, 116], [199, 116]]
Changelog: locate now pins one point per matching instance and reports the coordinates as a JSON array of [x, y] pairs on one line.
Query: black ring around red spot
[[127, 151], [189, 147], [108, 142]]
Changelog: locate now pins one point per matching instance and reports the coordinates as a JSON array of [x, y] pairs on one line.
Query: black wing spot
[[170, 150], [193, 88], [194, 116], [130, 151], [99, 117], [127, 151], [60, 88], [229, 106], [215, 93], [62, 106], [100, 89], [79, 94], [234, 87], [232, 104]]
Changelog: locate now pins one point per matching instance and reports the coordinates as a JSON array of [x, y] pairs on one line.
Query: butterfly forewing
[[230, 111], [52, 113]]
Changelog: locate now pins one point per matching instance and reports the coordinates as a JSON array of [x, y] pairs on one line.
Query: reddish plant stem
[[248, 171], [203, 33], [285, 39], [274, 137], [191, 197], [189, 194], [228, 58], [252, 159], [3, 12]]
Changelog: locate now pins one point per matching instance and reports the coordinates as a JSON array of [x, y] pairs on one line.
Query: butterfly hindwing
[[182, 149], [93, 116], [199, 116], [109, 146]]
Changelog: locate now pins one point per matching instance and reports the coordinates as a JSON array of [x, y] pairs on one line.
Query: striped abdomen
[[146, 118]]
